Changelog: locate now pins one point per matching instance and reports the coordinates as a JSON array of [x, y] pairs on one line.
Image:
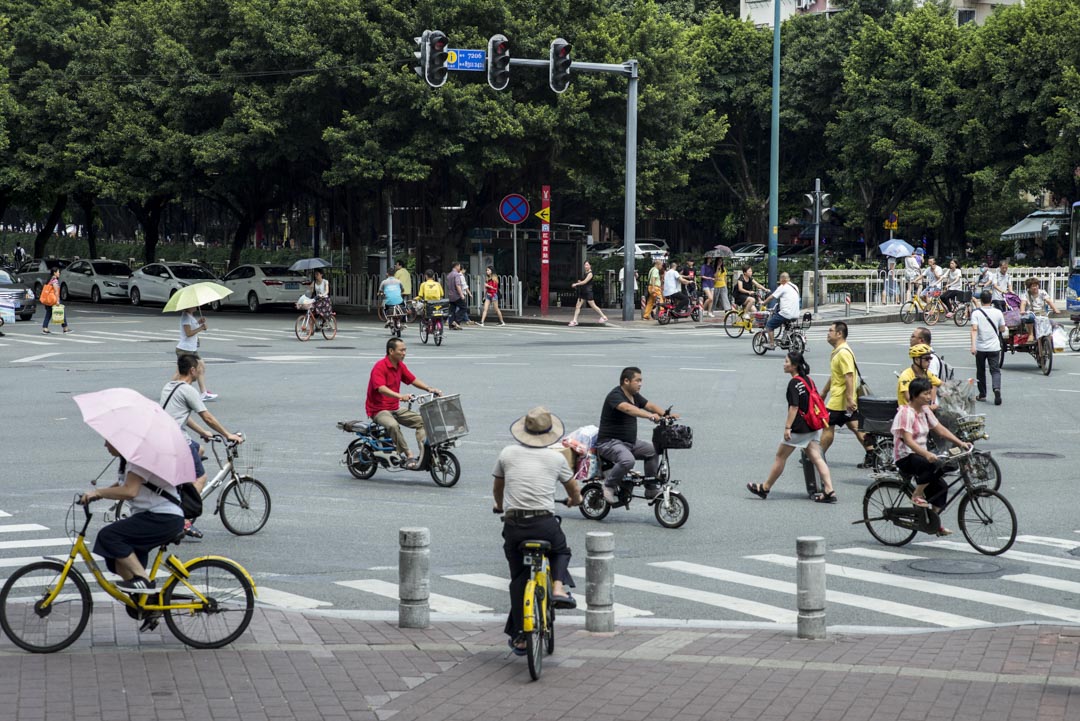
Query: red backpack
[[816, 415]]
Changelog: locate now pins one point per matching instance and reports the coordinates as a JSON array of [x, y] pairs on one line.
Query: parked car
[[15, 293], [749, 253], [259, 285], [640, 251], [36, 273], [157, 282], [97, 280], [797, 252]]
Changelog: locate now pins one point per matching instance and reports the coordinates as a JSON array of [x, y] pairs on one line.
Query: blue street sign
[[514, 209], [467, 60]]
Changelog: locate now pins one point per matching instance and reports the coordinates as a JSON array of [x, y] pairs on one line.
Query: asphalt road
[[731, 560]]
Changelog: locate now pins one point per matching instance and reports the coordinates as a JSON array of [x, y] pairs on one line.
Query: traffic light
[[824, 211], [559, 65], [811, 207], [433, 54], [498, 62]]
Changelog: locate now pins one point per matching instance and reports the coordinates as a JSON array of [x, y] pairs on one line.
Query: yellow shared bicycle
[[206, 602], [538, 621], [931, 309]]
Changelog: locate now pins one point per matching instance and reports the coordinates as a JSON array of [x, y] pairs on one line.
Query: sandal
[[411, 464], [572, 323], [943, 532], [513, 644], [757, 489], [829, 497], [919, 502]]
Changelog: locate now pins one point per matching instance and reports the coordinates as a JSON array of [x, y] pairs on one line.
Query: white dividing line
[[1065, 390], [1062, 543], [438, 602], [284, 599], [1022, 605], [503, 364], [22, 527], [876, 554], [1055, 584], [67, 338], [739, 605], [32, 358], [590, 365], [287, 358], [486, 580], [5, 545], [24, 560], [1012, 555], [5, 514], [112, 337], [878, 605], [711, 370], [11, 337], [231, 336]]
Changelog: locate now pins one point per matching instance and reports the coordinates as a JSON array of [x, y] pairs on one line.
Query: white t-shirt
[[1037, 304], [954, 279], [322, 288], [181, 404], [987, 328], [997, 278], [932, 275], [188, 342], [911, 267], [147, 500], [788, 297], [671, 282], [530, 474]]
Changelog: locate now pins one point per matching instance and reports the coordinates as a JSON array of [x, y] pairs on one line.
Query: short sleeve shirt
[[182, 402], [798, 397], [987, 322], [530, 475], [788, 297], [385, 374], [453, 285], [841, 363], [391, 290], [905, 380], [615, 424], [188, 342], [654, 277], [999, 279], [430, 290], [1037, 304], [147, 500], [917, 424], [671, 282], [405, 279]]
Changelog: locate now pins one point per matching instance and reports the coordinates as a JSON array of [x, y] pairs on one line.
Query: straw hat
[[537, 428]]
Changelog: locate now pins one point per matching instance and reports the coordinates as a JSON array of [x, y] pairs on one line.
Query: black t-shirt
[[614, 424], [798, 396], [747, 284]]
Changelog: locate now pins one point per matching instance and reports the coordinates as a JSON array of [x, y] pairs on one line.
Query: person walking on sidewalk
[[405, 278], [987, 325], [50, 297], [797, 433], [456, 289], [842, 402], [190, 327], [585, 295], [707, 275], [653, 289], [526, 474], [491, 296], [720, 286]]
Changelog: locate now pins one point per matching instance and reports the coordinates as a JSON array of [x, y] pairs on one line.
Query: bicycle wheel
[[230, 603], [381, 309], [879, 497], [534, 641], [360, 460], [549, 627], [962, 315], [931, 313], [695, 314], [329, 327], [988, 521], [663, 315], [44, 630], [244, 506], [732, 324], [909, 312], [798, 342], [759, 343], [673, 512], [1046, 355], [424, 332], [438, 332], [593, 506], [303, 328], [984, 471], [1074, 338], [445, 469]]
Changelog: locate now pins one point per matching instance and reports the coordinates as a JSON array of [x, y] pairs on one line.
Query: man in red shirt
[[384, 394]]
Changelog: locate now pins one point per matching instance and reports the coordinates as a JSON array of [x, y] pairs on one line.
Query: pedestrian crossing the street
[[867, 585]]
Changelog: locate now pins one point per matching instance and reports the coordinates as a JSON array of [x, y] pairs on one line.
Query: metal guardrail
[[362, 290]]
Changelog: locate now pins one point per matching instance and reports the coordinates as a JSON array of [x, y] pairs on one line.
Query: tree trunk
[[243, 230], [757, 222], [43, 236], [89, 209], [149, 214]]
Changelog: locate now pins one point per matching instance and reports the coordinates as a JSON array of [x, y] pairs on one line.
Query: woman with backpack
[[806, 416], [50, 298]]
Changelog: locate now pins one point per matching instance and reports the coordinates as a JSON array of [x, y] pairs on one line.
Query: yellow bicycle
[[538, 621], [207, 602], [931, 309]]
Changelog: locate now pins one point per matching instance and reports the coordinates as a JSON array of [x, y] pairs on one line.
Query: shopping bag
[[1059, 338], [7, 313], [58, 314]]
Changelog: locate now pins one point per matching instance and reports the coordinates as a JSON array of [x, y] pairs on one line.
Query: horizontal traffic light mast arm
[[629, 69]]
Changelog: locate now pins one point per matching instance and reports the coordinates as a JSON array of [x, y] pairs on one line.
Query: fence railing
[[362, 290], [878, 287]]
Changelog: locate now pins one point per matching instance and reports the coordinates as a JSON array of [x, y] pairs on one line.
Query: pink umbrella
[[141, 431]]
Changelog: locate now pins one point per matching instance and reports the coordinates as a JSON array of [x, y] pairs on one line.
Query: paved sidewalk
[[310, 666]]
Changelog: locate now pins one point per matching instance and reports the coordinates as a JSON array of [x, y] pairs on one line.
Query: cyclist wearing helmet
[[921, 355]]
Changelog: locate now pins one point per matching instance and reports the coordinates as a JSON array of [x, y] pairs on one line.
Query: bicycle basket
[[807, 320], [248, 458], [672, 436], [443, 418], [970, 428], [935, 293], [437, 308], [760, 317]]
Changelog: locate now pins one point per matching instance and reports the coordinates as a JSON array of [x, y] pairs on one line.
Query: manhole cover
[[954, 567], [335, 347], [252, 346], [1033, 455]]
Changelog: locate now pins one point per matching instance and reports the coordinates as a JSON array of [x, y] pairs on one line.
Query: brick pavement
[[310, 666]]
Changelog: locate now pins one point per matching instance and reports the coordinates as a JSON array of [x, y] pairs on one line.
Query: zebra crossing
[[868, 585]]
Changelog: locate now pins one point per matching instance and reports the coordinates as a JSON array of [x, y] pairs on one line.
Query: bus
[[1072, 293]]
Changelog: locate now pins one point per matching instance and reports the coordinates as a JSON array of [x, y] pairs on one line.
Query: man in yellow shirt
[[430, 289], [842, 402], [654, 288], [921, 355], [405, 278]]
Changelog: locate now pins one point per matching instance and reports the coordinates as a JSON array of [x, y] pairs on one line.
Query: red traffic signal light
[[434, 59], [559, 65], [498, 62]]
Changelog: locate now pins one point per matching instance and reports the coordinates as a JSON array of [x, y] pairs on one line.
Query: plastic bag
[[1059, 336], [588, 467], [956, 399], [582, 440], [58, 314], [303, 302]]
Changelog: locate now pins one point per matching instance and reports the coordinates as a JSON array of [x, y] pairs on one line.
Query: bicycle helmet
[[919, 349]]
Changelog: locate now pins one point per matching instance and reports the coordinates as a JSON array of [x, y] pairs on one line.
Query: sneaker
[[481, 324], [208, 396], [572, 323], [138, 584], [67, 330], [603, 320], [611, 496], [997, 398], [502, 322], [46, 331]]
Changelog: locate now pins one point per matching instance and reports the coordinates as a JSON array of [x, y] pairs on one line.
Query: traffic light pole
[[817, 237]]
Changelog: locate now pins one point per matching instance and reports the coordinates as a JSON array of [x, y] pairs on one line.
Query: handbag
[[861, 386], [58, 314]]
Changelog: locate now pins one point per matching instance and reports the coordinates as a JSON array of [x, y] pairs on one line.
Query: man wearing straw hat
[[524, 492]]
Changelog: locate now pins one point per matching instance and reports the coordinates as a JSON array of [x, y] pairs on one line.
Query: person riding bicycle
[[787, 297], [743, 292], [524, 491], [673, 287], [384, 396], [393, 301], [320, 291], [617, 439], [953, 280], [910, 430], [921, 355], [921, 334], [430, 289], [1034, 303], [931, 278]]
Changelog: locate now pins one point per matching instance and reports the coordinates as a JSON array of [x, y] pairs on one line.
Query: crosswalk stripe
[[21, 527], [1056, 584], [1062, 543], [113, 337], [486, 580], [68, 338], [1012, 555], [940, 589], [19, 562], [32, 358], [31, 543], [437, 602], [878, 605], [284, 599], [5, 514], [876, 554], [11, 337], [731, 603]]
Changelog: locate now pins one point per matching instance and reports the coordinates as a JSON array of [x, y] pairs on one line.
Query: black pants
[[951, 298], [460, 311], [545, 528], [1000, 305], [680, 299], [937, 490], [994, 359]]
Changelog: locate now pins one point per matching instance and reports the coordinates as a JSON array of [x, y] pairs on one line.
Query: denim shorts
[[200, 471]]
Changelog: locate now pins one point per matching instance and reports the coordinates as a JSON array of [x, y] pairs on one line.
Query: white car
[[157, 282], [750, 253], [640, 250], [259, 285], [97, 280]]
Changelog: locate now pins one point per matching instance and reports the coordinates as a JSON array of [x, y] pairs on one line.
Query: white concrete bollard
[[599, 581], [414, 585], [810, 586]]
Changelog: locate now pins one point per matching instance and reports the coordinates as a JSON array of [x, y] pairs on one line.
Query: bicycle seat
[[534, 546], [352, 426]]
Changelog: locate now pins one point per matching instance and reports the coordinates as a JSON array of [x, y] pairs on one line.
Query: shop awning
[[1032, 227]]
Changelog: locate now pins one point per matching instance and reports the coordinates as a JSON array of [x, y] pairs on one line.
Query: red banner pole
[[545, 247]]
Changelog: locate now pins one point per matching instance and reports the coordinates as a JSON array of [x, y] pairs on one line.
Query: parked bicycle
[[1074, 334], [986, 518], [206, 602]]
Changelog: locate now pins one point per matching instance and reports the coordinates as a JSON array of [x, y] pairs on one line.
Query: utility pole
[[774, 149]]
